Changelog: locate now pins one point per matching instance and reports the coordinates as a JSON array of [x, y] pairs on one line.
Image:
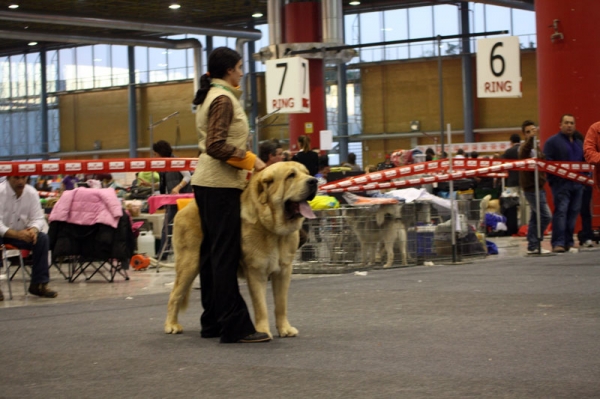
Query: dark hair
[[266, 148], [162, 148], [323, 161], [474, 154], [429, 150], [460, 151], [304, 142], [352, 158], [528, 123], [515, 138], [220, 61], [563, 117]]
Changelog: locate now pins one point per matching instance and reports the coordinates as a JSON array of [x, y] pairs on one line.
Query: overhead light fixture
[[13, 6], [257, 14], [354, 3], [175, 6], [415, 126], [32, 44]]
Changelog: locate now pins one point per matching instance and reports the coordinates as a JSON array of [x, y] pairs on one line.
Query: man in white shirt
[[21, 223]]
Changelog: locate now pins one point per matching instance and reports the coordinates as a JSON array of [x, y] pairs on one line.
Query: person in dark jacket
[[586, 234], [566, 193], [170, 183], [512, 181], [306, 156], [527, 183]]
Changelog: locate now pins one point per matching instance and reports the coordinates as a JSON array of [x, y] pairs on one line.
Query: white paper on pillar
[[288, 88], [326, 137]]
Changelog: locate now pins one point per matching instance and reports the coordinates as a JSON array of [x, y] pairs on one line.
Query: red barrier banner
[[96, 166], [466, 168]]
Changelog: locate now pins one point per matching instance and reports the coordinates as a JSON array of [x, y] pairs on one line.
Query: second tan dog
[[373, 228], [273, 208]]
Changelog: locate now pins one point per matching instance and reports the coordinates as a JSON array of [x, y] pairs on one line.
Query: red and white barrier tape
[[472, 168], [96, 166]]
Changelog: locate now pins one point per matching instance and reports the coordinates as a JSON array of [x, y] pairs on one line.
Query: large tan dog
[[273, 209], [384, 225]]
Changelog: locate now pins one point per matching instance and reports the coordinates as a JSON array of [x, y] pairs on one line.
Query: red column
[[568, 69], [303, 25]]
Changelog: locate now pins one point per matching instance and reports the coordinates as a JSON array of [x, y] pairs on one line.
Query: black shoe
[[255, 338], [1, 296], [42, 290]]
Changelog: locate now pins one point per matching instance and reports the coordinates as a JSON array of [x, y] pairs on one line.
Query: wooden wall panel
[[504, 112]]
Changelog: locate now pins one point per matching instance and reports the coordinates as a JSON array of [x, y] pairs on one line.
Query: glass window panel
[[4, 81], [102, 68], [497, 18], [176, 61], [446, 21], [395, 22], [158, 64], [17, 75], [524, 27], [51, 70], [85, 72], [351, 29], [67, 72], [478, 17], [120, 65], [32, 69], [190, 56], [420, 20], [219, 41], [141, 64], [370, 32]]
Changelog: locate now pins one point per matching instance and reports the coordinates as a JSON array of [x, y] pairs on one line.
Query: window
[[120, 65], [421, 25]]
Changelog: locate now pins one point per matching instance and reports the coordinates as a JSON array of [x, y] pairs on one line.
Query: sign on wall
[[499, 67], [288, 85]]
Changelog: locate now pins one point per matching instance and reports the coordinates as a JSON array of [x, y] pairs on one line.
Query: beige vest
[[211, 172]]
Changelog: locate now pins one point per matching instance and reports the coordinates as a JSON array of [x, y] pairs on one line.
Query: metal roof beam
[[11, 15]]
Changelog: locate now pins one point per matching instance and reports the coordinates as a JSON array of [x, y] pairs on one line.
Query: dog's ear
[[262, 188]]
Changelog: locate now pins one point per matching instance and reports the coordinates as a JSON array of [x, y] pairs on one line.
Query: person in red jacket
[[591, 150]]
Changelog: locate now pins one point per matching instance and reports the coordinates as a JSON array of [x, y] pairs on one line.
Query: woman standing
[[306, 156], [218, 181]]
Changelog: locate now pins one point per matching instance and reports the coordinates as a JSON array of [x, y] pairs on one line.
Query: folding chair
[[8, 252]]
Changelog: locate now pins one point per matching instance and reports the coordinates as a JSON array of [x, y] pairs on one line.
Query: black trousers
[[39, 269], [225, 312]]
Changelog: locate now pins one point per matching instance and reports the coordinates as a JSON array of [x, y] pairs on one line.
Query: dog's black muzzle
[[312, 187]]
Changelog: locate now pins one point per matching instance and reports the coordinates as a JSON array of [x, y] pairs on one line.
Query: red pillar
[[303, 25], [568, 69]]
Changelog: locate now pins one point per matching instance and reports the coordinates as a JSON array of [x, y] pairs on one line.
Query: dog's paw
[[173, 328], [288, 331]]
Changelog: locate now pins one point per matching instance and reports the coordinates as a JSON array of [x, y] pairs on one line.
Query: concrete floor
[[148, 282]]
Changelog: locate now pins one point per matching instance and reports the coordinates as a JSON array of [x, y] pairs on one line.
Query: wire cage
[[353, 238], [430, 238]]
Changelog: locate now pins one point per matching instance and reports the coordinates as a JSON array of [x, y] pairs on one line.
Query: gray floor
[[508, 326]]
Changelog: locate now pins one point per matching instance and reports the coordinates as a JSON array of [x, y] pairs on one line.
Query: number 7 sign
[[499, 67], [288, 85]]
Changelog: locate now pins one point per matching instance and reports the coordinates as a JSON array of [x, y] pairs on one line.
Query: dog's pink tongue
[[306, 211]]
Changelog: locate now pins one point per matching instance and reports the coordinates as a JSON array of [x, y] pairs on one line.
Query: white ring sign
[[499, 67]]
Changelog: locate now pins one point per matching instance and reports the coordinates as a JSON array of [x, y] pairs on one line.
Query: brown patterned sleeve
[[220, 115]]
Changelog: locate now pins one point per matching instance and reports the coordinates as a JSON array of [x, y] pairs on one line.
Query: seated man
[[21, 223]]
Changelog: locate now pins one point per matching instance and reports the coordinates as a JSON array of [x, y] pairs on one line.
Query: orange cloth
[[591, 150]]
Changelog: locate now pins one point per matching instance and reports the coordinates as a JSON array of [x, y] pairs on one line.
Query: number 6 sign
[[288, 85], [499, 67]]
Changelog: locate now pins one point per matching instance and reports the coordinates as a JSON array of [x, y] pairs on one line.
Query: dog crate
[[353, 238], [430, 239]]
